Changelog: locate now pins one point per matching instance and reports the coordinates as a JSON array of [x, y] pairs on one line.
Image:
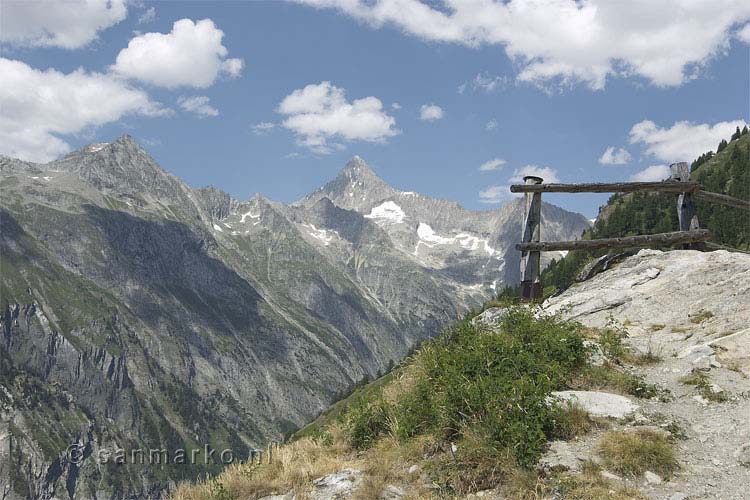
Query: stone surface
[[338, 485], [392, 492], [599, 404], [651, 478]]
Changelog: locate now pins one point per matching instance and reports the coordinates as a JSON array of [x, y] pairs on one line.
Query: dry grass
[[702, 381], [292, 468], [590, 485], [701, 316], [635, 452]]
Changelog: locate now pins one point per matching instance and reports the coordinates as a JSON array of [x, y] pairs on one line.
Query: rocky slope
[[139, 313], [680, 384], [692, 310]]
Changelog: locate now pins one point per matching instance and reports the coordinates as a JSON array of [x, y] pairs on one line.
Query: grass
[[701, 316], [471, 408], [590, 485], [702, 381], [634, 452], [610, 379]]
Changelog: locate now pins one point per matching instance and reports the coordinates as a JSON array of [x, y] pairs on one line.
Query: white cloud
[[548, 174], [489, 83], [198, 104], [743, 34], [494, 164], [320, 113], [496, 194], [191, 55], [147, 16], [396, 106], [612, 156], [40, 106], [565, 41], [654, 173], [683, 141], [491, 125], [48, 23], [430, 112], [263, 128]]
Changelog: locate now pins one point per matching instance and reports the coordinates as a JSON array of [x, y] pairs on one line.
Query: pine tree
[[744, 130], [722, 145], [736, 135]]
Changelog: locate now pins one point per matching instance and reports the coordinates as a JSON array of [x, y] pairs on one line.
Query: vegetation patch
[[702, 381], [635, 452]]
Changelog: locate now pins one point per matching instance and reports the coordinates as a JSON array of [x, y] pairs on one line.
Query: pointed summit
[[358, 168], [355, 187]]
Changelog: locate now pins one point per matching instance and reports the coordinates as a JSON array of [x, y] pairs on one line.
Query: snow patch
[[93, 148], [321, 234], [466, 241], [249, 214], [218, 228], [387, 212]]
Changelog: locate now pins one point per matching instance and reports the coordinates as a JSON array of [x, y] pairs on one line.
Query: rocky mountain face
[[140, 314]]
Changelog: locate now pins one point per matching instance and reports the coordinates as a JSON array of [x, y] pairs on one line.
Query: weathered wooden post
[[685, 206], [531, 288]]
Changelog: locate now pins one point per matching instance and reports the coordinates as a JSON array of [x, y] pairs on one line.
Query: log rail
[[679, 182]]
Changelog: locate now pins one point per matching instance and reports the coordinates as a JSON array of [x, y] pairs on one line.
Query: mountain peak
[[358, 168]]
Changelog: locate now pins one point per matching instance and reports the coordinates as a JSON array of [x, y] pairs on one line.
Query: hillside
[[631, 385], [727, 172], [140, 313]]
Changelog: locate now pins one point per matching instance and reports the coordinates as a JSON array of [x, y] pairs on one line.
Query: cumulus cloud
[[430, 112], [566, 41], [49, 23], [743, 34], [198, 104], [612, 156], [491, 125], [548, 174], [683, 141], [396, 106], [191, 55], [494, 164], [263, 128], [319, 115], [654, 173], [40, 106]]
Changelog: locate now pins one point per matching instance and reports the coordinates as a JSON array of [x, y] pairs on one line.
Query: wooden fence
[[690, 233]]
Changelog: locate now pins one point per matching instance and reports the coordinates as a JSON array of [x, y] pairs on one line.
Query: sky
[[454, 99]]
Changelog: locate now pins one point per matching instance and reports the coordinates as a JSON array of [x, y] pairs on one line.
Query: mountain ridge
[[200, 318]]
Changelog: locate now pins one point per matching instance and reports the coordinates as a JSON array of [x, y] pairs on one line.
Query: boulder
[[598, 404]]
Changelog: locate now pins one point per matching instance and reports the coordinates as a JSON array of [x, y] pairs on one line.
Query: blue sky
[[523, 89]]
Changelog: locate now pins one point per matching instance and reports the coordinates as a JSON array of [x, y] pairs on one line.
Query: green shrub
[[367, 421], [495, 384]]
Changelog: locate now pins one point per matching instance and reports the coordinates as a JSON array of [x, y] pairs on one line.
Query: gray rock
[[338, 485], [392, 492], [598, 404], [652, 478]]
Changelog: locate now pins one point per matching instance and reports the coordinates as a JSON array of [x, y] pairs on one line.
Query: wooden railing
[[690, 233]]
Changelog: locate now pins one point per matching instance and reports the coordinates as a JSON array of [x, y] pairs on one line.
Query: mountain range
[[140, 313]]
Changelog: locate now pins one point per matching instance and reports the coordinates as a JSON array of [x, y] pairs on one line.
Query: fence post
[[685, 206], [531, 288]]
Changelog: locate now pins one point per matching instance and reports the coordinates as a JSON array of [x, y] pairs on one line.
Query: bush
[[496, 384], [367, 421]]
